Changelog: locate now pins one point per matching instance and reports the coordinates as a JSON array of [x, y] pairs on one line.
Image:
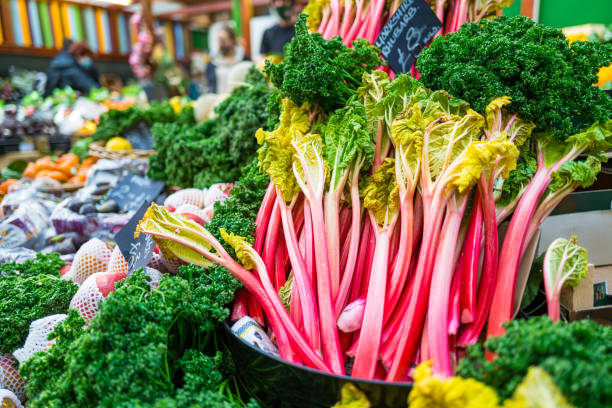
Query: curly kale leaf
[[237, 214], [550, 83], [574, 354], [115, 122], [214, 151], [321, 72], [133, 352], [30, 291]]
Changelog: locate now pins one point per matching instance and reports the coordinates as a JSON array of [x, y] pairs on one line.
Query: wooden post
[[147, 16], [246, 8]]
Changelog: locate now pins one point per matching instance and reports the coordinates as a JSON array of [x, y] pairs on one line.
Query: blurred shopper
[[73, 67], [275, 37], [219, 68]]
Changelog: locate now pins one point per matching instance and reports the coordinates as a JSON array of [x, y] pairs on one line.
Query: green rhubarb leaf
[[407, 133], [309, 163], [381, 194], [575, 174], [347, 140], [276, 152], [241, 247], [447, 138], [177, 236], [374, 88], [480, 158], [537, 390], [565, 263]]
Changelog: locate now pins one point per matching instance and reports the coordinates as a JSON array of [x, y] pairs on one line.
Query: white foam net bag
[[218, 192], [117, 262], [94, 289], [8, 399], [38, 337], [191, 196], [193, 213], [9, 377], [155, 276], [91, 258], [156, 262], [172, 265]]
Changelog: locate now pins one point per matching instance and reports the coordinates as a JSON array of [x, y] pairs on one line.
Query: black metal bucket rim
[[314, 370]]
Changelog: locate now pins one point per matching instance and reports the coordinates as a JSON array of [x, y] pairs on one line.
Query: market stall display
[[331, 232]]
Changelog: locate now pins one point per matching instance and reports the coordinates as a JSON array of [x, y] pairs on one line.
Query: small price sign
[[137, 251], [133, 190], [407, 33]]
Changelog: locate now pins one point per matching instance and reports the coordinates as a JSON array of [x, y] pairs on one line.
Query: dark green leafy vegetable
[[142, 348], [115, 122], [550, 83], [576, 355], [237, 214], [320, 72], [30, 291], [214, 151]]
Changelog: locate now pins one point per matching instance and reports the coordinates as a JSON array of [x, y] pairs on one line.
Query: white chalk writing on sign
[[406, 33]]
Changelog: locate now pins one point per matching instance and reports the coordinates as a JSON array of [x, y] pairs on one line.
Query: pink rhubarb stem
[[310, 314], [442, 276], [270, 244], [470, 264], [263, 217], [369, 343], [410, 330], [510, 256], [329, 332], [486, 288], [454, 311], [347, 277], [402, 264]]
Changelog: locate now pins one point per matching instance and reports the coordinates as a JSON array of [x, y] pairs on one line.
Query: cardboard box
[[594, 293]]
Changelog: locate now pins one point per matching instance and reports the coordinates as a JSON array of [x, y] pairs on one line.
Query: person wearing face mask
[[73, 67], [275, 37], [218, 70]]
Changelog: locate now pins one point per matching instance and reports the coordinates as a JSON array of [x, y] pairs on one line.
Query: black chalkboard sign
[[133, 190], [139, 136], [407, 33], [137, 251]]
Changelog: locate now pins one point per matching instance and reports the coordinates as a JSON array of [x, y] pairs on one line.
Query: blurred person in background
[[73, 67], [275, 37], [218, 69]]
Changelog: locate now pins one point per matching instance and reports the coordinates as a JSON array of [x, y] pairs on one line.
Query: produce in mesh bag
[[171, 264], [92, 257], [38, 337], [8, 399], [94, 289], [155, 276], [193, 213], [117, 262], [218, 192], [156, 262], [10, 378], [191, 196]]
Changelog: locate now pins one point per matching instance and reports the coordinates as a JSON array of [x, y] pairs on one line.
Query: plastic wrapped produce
[[191, 196], [155, 276], [10, 378], [8, 399], [38, 337], [117, 262], [18, 255], [193, 213], [91, 258], [26, 226], [217, 192], [95, 288]]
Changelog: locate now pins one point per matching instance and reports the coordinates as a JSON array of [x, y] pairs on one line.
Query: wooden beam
[[527, 8], [246, 13], [206, 8]]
